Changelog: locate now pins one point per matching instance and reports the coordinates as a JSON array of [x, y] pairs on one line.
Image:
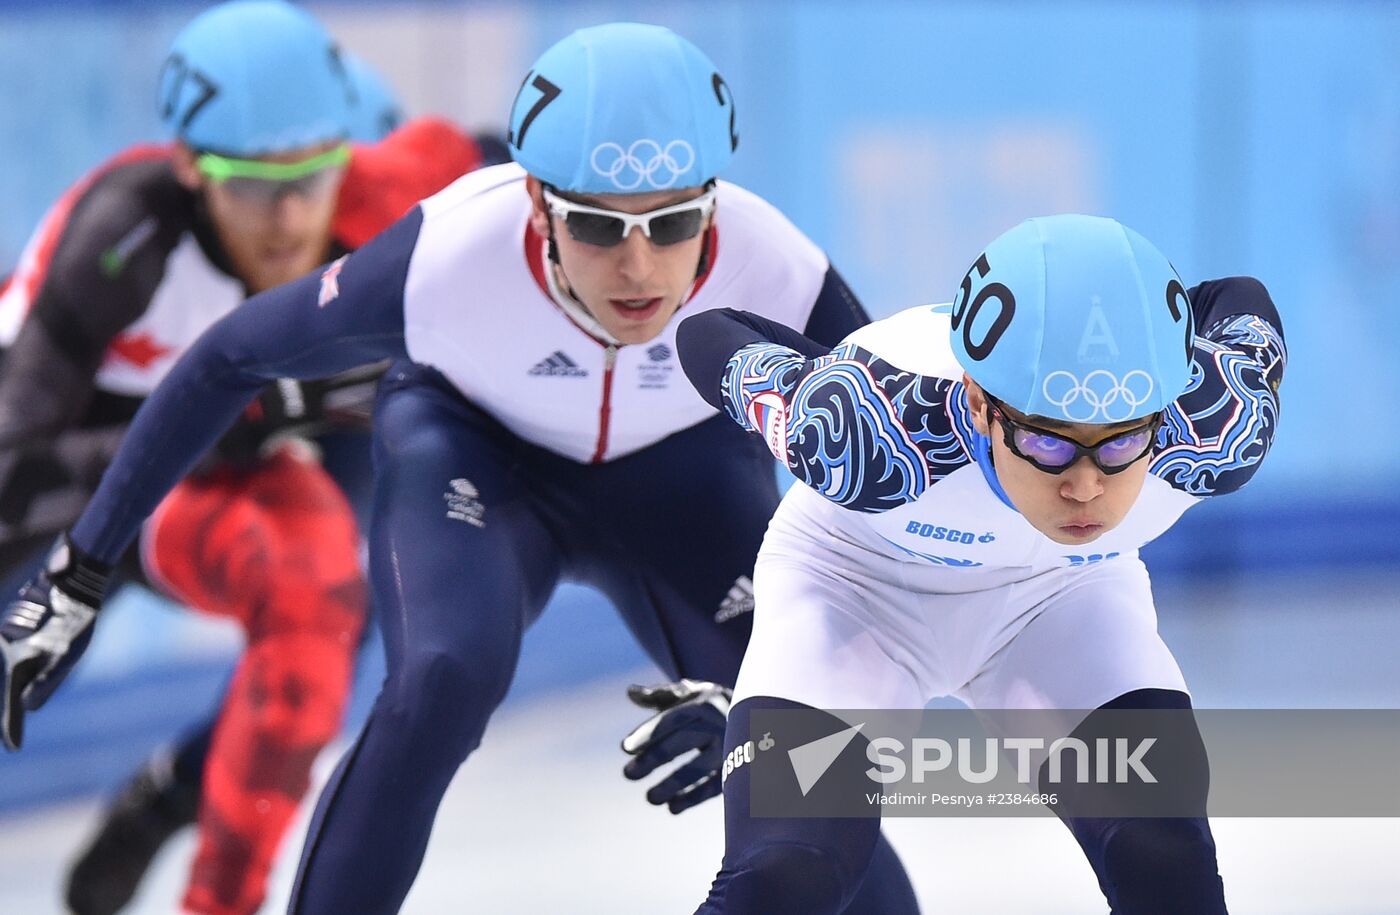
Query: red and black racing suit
[[108, 293]]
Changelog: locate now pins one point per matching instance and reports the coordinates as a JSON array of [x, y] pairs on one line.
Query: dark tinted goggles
[[1055, 453], [668, 225]]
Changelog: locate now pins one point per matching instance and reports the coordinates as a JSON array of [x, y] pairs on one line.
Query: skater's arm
[[350, 313]]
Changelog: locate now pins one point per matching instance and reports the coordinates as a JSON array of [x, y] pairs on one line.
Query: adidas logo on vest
[[738, 602], [556, 363]]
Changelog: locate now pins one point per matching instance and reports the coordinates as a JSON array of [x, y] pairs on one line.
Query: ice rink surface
[[540, 820]]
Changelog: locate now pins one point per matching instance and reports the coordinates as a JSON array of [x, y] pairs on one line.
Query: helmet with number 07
[[1075, 318], [623, 108], [251, 78]]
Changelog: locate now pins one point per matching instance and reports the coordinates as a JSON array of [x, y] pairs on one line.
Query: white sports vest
[[475, 311]]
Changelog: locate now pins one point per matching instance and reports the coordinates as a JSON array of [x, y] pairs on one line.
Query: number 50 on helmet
[[1075, 318]]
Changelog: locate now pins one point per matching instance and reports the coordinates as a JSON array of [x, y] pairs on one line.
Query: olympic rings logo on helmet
[[644, 161], [1100, 397]]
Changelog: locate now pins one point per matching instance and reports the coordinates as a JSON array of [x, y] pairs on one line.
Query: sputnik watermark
[[1115, 759], [1094, 762]]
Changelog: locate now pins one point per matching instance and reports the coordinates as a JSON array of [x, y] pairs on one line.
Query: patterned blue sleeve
[[861, 432], [1216, 434]]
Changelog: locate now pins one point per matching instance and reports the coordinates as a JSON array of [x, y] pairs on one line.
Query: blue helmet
[[376, 111], [255, 77], [623, 108], [1075, 318]]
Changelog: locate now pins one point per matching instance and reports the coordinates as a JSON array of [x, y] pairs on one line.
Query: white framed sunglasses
[[668, 225]]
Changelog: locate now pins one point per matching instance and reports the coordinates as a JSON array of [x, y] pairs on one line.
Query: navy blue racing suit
[[473, 527]]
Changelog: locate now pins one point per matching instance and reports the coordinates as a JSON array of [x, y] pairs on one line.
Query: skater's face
[[1083, 502], [630, 283], [272, 215]]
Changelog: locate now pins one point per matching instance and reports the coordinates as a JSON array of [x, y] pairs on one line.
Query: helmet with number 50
[[1075, 318], [623, 108]]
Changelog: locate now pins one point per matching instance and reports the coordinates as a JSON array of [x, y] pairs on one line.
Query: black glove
[[45, 630], [691, 715], [302, 408]]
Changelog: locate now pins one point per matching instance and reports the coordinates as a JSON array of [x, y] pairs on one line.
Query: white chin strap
[[573, 307], [576, 310]]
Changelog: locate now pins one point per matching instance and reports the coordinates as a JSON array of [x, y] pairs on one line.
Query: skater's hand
[[690, 715], [44, 631]]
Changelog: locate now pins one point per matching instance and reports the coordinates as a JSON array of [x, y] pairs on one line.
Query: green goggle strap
[[222, 168]]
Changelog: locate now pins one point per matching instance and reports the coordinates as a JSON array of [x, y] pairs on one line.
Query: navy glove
[[690, 715], [45, 630]]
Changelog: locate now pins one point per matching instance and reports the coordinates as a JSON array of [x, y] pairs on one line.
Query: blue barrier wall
[[1243, 138]]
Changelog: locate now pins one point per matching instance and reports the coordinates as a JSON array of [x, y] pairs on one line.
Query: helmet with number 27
[[623, 108], [622, 129]]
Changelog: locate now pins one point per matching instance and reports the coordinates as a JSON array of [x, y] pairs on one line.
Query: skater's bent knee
[[786, 879]]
